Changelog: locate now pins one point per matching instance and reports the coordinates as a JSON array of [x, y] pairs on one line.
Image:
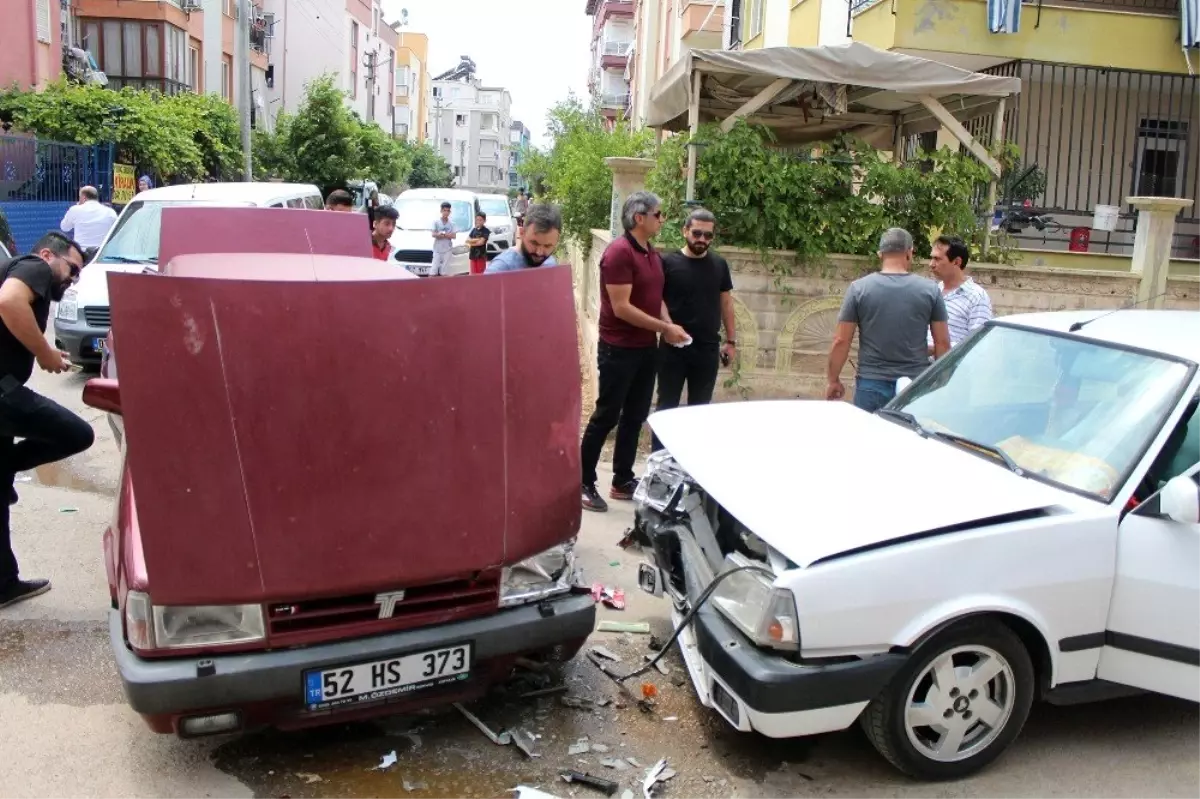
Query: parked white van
[[82, 319], [418, 209], [500, 221]]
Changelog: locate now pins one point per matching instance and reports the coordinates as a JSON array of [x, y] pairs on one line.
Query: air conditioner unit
[[190, 5]]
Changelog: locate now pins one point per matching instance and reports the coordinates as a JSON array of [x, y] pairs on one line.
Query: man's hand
[[835, 390], [54, 361], [729, 352], [674, 334]]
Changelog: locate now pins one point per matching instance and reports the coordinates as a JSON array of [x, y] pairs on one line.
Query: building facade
[[411, 86], [469, 125], [31, 55], [664, 31], [518, 143], [612, 41]]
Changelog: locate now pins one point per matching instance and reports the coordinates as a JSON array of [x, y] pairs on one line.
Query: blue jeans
[[871, 395]]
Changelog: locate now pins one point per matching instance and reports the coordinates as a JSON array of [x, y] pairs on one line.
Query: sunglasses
[[657, 214], [702, 235]]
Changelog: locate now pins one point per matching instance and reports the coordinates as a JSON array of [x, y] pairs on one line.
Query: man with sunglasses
[[47, 431], [698, 293]]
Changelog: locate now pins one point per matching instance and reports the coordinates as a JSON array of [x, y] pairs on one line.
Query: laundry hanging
[[1004, 16]]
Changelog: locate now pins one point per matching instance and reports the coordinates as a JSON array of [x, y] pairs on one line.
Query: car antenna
[[1077, 326]]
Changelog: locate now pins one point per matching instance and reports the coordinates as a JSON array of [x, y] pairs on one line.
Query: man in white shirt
[[88, 222], [968, 306]]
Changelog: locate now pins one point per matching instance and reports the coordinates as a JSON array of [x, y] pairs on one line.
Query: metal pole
[[694, 128], [997, 139], [241, 46]]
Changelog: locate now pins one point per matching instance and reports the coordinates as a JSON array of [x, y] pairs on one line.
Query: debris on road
[[659, 773], [612, 597], [614, 763], [601, 748], [387, 761], [553, 689], [503, 739], [658, 664], [656, 643], [606, 653], [526, 742], [649, 690], [527, 792], [309, 778], [68, 510], [638, 627], [576, 702], [608, 787], [671, 718], [580, 747], [414, 786], [633, 762]]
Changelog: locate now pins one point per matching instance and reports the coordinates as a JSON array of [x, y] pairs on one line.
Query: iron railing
[[1156, 7], [35, 170], [617, 48], [163, 85], [614, 100]]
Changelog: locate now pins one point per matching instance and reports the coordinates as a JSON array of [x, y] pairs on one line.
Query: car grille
[[422, 605], [98, 316], [415, 256]]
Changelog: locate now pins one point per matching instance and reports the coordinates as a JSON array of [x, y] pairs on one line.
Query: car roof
[[257, 193], [439, 194], [1172, 332]]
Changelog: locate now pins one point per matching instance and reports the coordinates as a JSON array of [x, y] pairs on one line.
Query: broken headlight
[[751, 602], [544, 575], [663, 476]]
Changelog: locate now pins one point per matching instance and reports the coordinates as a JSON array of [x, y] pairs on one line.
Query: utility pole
[[369, 64], [241, 45], [462, 163]]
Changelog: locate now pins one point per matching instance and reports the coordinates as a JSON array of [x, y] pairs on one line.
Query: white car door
[[1153, 636]]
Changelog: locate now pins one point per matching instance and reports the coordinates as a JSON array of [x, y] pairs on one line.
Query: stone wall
[[787, 310]]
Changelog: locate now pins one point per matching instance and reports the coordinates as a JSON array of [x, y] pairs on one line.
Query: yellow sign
[[124, 184]]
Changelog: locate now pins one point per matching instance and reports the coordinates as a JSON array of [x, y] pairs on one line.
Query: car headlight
[[764, 613], [68, 306], [501, 229], [459, 249], [663, 475], [149, 626], [546, 574]]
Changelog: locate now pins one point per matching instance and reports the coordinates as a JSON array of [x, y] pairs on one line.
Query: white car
[[81, 320], [418, 209], [1019, 523], [499, 221]]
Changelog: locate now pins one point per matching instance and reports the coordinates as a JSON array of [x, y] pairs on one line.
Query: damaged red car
[[344, 492]]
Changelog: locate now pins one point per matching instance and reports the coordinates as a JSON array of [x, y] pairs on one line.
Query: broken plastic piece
[[526, 792], [417, 785], [606, 653], [576, 702], [614, 763], [639, 627], [658, 664], [526, 742], [649, 690], [613, 597], [652, 777], [309, 778], [580, 747], [503, 739], [599, 783], [387, 761]]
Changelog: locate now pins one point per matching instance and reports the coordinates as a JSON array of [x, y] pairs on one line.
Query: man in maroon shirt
[[631, 318]]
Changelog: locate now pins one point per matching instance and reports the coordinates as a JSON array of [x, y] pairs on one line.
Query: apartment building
[[349, 39], [518, 142], [612, 40], [663, 32], [411, 86], [31, 55], [470, 126]]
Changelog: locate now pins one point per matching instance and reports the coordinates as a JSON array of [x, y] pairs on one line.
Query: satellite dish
[[404, 16]]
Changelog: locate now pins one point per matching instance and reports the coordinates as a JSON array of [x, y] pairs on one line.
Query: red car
[[313, 526]]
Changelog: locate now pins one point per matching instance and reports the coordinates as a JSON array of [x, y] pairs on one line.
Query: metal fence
[[1166, 8], [35, 170]]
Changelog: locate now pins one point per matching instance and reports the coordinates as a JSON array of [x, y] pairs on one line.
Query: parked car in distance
[[297, 606], [500, 221], [418, 209], [81, 321], [1021, 523]]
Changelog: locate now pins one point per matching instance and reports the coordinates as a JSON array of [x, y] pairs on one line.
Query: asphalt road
[[65, 730]]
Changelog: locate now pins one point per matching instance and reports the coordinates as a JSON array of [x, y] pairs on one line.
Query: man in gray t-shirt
[[892, 309], [443, 242]]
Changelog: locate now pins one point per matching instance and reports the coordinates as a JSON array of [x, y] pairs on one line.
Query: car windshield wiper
[[125, 259], [910, 420]]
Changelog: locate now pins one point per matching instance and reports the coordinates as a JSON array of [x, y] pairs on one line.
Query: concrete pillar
[[629, 176], [1152, 245]]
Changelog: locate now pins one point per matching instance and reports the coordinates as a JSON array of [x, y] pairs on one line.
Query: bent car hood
[[326, 435], [816, 479]]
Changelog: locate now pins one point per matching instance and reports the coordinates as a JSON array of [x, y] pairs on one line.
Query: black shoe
[[18, 590], [593, 501], [624, 490]]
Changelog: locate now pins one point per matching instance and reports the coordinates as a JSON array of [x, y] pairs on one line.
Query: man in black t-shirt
[[48, 431], [698, 294], [478, 239]]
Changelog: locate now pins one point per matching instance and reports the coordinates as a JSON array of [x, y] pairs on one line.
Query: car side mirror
[[1179, 500], [103, 395]]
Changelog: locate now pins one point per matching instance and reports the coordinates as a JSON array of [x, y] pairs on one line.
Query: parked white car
[[500, 221], [418, 209], [82, 318], [1021, 522]]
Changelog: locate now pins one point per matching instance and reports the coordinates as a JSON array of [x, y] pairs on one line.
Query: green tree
[[380, 157], [572, 173], [429, 169]]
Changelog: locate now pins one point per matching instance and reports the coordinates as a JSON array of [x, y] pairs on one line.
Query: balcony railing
[[622, 48], [614, 100], [1167, 8]]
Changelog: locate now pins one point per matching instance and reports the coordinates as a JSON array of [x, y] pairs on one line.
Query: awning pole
[[756, 102], [693, 128], [898, 142], [962, 134], [997, 140]]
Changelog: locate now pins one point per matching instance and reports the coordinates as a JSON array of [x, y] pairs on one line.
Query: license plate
[[419, 270], [100, 345], [384, 679]]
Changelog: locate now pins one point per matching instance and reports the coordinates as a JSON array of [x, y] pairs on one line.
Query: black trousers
[[48, 432], [695, 366], [623, 401]]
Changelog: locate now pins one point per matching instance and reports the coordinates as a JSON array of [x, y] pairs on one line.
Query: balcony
[[701, 24], [1123, 34], [616, 101], [614, 55]]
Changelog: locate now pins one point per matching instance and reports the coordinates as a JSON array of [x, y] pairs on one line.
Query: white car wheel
[[957, 705]]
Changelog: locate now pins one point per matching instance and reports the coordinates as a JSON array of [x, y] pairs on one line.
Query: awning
[[808, 94]]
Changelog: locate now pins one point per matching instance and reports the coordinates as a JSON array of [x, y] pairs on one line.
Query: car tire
[[992, 684]]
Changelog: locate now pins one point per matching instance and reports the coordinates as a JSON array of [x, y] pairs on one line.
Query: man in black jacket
[[47, 431]]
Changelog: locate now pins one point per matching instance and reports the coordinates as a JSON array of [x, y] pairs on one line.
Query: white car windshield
[[419, 213], [1073, 412], [494, 206], [135, 238]]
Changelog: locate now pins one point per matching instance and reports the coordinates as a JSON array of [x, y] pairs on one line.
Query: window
[[1161, 149], [756, 10], [193, 69], [354, 60], [226, 78], [402, 75], [141, 55], [402, 130], [43, 21], [460, 120]]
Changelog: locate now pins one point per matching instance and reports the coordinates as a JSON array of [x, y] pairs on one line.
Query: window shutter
[[43, 21]]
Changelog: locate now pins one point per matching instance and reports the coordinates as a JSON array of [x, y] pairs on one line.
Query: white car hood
[[92, 288], [815, 479], [418, 239]]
